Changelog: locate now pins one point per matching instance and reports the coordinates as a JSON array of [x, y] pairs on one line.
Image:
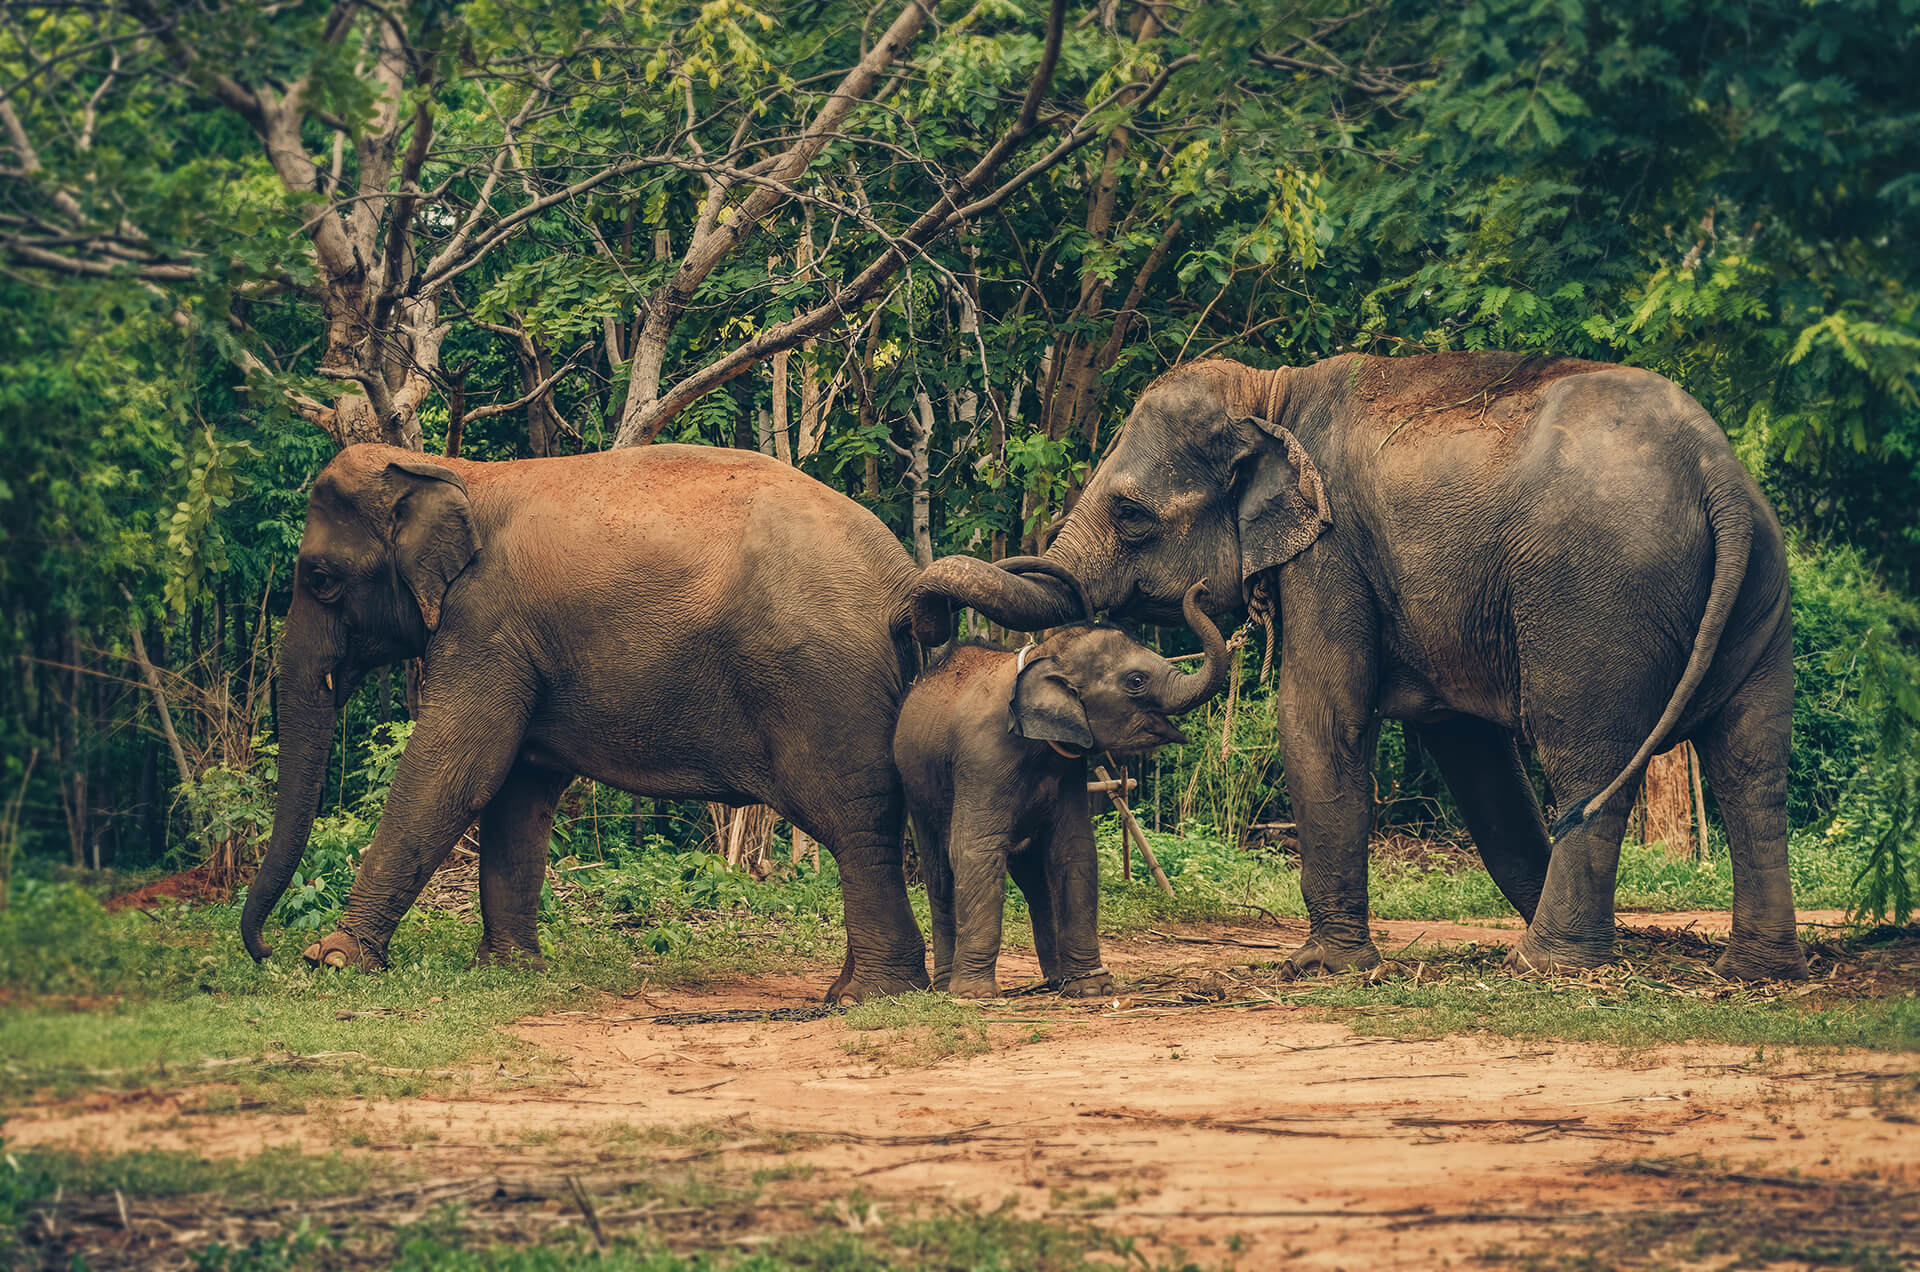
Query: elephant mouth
[[1153, 733]]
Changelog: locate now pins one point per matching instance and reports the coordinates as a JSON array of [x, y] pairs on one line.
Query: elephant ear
[[433, 535], [1045, 707], [1282, 503]]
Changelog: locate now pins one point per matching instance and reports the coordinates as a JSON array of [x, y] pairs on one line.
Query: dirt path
[[1235, 1135]]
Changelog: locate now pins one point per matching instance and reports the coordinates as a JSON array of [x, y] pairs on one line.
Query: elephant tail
[[1731, 519], [906, 649]]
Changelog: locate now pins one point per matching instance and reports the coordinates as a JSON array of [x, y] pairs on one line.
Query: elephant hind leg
[[863, 829], [1481, 764], [930, 838], [1743, 756], [1028, 866], [516, 830], [1572, 926]]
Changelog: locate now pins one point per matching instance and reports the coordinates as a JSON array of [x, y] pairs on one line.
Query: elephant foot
[[507, 956], [337, 949], [1758, 961], [1541, 954], [1094, 984], [1322, 957], [973, 987]]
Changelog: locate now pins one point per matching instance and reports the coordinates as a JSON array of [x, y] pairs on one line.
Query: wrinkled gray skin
[[994, 759], [675, 621], [1486, 547]]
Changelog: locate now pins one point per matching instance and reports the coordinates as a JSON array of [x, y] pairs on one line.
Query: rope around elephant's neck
[[1260, 611]]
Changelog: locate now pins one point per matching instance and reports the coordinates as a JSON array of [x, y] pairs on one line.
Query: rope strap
[[1260, 611]]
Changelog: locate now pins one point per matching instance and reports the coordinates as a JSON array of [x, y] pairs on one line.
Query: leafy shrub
[[1857, 722]]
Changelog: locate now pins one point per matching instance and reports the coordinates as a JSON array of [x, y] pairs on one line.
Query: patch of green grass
[[915, 1029], [646, 1224], [180, 993], [282, 1173], [128, 999], [1214, 881], [1644, 1000]]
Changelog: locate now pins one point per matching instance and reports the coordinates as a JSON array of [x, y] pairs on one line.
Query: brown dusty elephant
[[992, 745], [678, 621], [1488, 547]]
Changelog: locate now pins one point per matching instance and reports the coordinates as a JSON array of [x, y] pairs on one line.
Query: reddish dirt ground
[[1249, 1137], [200, 885]]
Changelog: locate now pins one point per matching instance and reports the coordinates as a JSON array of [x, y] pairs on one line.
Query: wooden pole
[[1699, 800], [1133, 829]]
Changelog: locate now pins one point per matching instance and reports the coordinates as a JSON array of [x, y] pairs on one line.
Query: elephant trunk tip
[[250, 926], [1200, 685]]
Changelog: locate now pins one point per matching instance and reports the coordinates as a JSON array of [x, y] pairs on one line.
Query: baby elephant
[[992, 747]]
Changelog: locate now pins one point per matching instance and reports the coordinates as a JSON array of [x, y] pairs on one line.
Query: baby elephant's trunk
[[1197, 687]]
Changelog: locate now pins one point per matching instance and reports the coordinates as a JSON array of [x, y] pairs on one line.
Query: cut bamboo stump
[[1134, 832]]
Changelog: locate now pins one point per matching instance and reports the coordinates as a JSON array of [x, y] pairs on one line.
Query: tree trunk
[[919, 476], [456, 409], [545, 425], [1667, 802], [782, 438]]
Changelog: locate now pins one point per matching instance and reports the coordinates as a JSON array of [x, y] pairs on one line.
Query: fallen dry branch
[[1534, 1128], [1337, 1127], [1217, 940]]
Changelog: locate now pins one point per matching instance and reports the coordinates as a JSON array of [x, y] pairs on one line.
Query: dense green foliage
[[1722, 192]]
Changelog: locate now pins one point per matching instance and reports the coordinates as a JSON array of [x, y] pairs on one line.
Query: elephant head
[[387, 531], [1096, 689], [1204, 481]]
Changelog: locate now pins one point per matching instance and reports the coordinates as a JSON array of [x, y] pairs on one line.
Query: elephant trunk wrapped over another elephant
[[1486, 547]]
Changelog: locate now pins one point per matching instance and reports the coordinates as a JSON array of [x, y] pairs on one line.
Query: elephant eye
[[1131, 517], [323, 585], [1135, 682]]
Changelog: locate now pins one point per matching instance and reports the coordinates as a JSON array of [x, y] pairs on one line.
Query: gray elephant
[[678, 621], [1487, 547], [993, 752], [992, 746]]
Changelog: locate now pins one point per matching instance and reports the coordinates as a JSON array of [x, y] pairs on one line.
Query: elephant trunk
[[306, 738], [1053, 570], [1012, 600], [1195, 688]]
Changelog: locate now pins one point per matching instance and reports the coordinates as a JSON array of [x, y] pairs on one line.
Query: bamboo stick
[[1139, 836]]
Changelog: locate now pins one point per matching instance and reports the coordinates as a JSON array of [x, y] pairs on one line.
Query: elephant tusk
[[329, 682]]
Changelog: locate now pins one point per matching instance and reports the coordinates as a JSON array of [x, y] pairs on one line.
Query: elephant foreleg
[[938, 872], [1481, 765], [979, 855], [1029, 870], [463, 746], [1328, 740], [515, 833]]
